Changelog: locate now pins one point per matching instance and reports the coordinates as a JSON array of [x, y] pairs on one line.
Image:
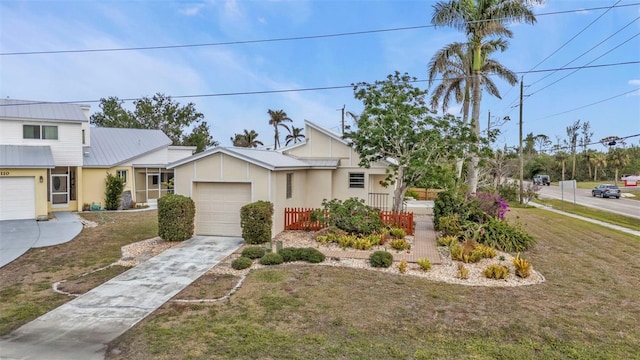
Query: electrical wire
[[585, 106], [283, 39]]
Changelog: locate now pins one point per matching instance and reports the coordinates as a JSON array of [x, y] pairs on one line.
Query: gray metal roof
[[11, 109], [114, 146], [23, 156], [272, 160]]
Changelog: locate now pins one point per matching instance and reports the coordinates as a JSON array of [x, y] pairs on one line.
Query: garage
[[218, 207], [17, 198]]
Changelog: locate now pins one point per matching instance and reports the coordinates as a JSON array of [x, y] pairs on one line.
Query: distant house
[[52, 160], [324, 166]]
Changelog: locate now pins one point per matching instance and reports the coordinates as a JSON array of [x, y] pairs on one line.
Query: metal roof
[[268, 159], [11, 109], [114, 146], [23, 156]]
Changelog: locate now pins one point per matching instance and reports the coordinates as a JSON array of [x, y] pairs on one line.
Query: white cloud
[[191, 10], [634, 82]]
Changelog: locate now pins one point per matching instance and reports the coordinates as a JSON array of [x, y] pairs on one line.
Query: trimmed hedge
[[381, 259], [271, 259], [253, 252], [176, 215], [256, 220], [241, 263], [311, 255]]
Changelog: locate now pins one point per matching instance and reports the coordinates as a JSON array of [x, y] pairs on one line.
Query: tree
[[294, 135], [396, 125], [529, 145], [277, 119], [481, 20], [599, 160], [542, 141], [113, 191], [617, 158], [572, 142], [585, 139], [159, 112], [249, 139]]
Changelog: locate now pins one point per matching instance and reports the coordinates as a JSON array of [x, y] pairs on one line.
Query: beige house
[[223, 179], [52, 160]]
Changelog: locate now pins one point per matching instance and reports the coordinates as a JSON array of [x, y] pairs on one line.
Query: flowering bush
[[492, 205]]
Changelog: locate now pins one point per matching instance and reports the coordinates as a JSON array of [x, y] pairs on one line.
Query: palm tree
[[249, 139], [480, 20], [278, 119], [295, 135], [453, 62], [617, 158], [599, 160]]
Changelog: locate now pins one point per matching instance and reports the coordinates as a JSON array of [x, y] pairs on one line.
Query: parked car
[[541, 180], [606, 191]]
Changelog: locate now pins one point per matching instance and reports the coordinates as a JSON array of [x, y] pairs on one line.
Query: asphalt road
[[583, 197]]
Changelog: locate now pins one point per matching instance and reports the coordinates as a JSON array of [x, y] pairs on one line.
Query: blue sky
[[333, 61]]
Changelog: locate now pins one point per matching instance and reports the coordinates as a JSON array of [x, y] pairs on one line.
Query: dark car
[[542, 180], [606, 191]]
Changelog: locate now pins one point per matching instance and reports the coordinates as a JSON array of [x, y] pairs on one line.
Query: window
[[47, 132], [154, 179], [122, 174], [356, 180], [31, 131], [289, 185], [83, 137]]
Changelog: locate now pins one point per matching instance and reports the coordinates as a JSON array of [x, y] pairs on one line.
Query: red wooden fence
[[300, 219]]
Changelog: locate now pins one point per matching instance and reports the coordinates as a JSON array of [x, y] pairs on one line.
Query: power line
[[594, 103], [293, 38], [557, 147]]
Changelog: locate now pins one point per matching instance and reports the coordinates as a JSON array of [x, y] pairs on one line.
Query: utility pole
[[488, 122], [520, 148], [342, 119]]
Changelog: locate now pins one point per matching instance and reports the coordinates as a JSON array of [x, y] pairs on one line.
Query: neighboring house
[[223, 179], [51, 159]]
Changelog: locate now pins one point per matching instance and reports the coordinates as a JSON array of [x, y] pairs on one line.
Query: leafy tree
[[617, 158], [113, 193], [542, 141], [585, 139], [295, 135], [599, 160], [529, 145], [158, 112], [249, 139], [278, 118], [572, 143], [480, 20], [396, 125]]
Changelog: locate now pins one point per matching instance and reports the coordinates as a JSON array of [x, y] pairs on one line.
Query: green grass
[[586, 309], [616, 219]]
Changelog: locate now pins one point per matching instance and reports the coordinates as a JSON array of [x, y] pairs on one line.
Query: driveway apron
[[82, 328]]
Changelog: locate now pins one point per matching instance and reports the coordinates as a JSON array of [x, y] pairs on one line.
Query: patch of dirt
[[209, 286]]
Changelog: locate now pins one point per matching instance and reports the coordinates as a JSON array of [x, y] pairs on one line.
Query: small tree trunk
[[595, 173]]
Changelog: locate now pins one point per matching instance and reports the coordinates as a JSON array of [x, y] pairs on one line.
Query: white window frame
[[122, 174]]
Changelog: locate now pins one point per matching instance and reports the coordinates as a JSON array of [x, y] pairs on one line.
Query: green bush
[[114, 186], [352, 216], [398, 233], [289, 254], [450, 225], [501, 235], [399, 244], [241, 263], [253, 252], [176, 215], [311, 255], [271, 259], [381, 259], [256, 220], [509, 191], [449, 202]]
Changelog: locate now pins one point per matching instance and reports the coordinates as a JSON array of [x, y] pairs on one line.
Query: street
[[583, 197]]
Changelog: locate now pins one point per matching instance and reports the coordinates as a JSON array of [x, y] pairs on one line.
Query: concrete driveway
[[82, 328], [18, 236]]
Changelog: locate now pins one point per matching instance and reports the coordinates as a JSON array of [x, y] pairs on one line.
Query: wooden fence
[[426, 194], [300, 219]]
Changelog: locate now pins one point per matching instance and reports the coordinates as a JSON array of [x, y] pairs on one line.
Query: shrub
[[456, 252], [352, 216], [412, 194], [312, 255], [289, 254], [450, 225], [361, 243], [176, 215], [509, 191], [495, 271], [241, 263], [446, 240], [449, 202], [253, 252], [402, 267], [114, 186], [487, 251], [381, 259], [256, 221], [503, 236], [523, 267], [398, 233], [492, 205], [271, 259], [399, 244], [425, 264], [463, 272]]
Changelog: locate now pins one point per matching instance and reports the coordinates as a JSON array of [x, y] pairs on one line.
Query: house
[[223, 179], [52, 160]]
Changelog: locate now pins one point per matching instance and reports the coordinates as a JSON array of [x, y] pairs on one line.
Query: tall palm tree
[[454, 64], [294, 135], [481, 20], [617, 158], [278, 119], [599, 160], [249, 139]]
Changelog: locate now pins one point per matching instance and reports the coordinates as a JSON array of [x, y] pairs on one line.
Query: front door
[[59, 190]]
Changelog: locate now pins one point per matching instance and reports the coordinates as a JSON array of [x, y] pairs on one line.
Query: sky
[[568, 34]]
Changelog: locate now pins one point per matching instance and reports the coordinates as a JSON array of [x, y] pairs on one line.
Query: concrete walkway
[[18, 236], [82, 328]]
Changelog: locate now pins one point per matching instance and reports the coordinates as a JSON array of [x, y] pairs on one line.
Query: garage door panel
[[17, 198], [218, 207]]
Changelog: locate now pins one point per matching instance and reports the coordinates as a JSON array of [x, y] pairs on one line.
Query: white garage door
[[17, 198], [218, 207]]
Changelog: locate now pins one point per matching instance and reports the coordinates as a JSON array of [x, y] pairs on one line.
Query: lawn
[[587, 308], [612, 218], [25, 284]]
